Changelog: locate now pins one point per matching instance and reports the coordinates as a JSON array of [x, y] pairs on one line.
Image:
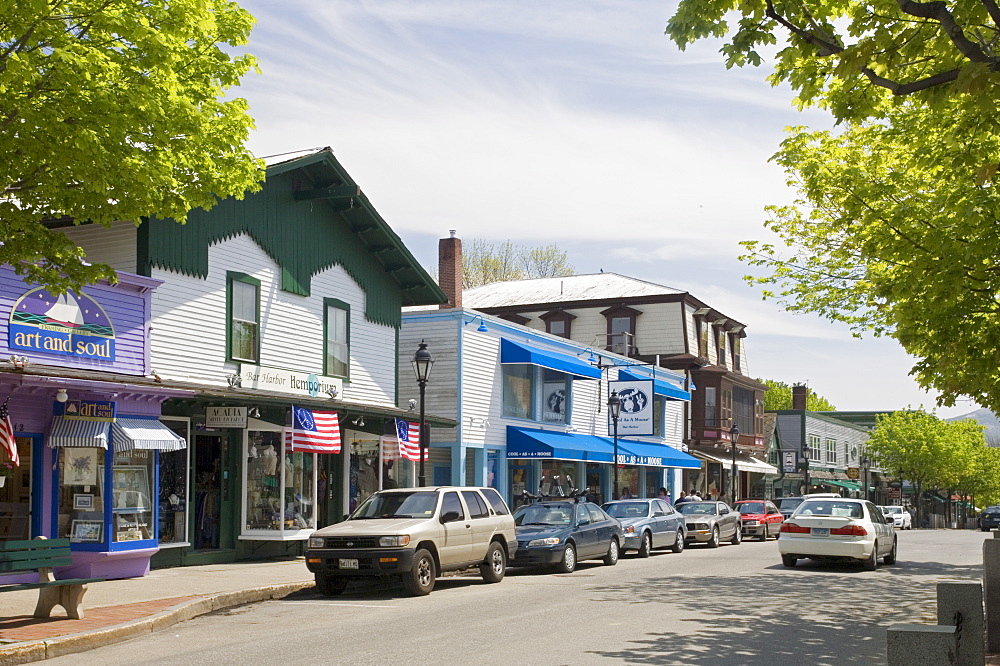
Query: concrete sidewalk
[[117, 610]]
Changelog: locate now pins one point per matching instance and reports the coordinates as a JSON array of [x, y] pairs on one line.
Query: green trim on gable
[[303, 238]]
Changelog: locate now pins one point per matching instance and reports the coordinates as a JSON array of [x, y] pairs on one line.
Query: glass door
[[207, 491], [15, 493]]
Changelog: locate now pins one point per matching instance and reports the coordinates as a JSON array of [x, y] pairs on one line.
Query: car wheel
[[766, 534], [420, 579], [737, 536], [871, 561], [713, 542], [646, 546], [891, 557], [612, 557], [678, 542], [493, 569], [330, 586], [568, 562], [985, 529], [789, 560]]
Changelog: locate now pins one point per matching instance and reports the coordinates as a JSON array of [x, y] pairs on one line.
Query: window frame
[[813, 443], [622, 312], [536, 389], [346, 308], [831, 449], [233, 277], [554, 316]]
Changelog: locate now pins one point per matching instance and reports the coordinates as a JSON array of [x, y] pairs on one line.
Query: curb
[[47, 648]]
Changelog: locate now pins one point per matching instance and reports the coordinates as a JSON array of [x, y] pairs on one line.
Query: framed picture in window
[[83, 502], [86, 530]]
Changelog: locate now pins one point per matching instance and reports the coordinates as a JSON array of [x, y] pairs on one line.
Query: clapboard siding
[[115, 246], [189, 324]]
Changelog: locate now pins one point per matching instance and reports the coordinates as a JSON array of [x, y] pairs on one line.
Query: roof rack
[[574, 495]]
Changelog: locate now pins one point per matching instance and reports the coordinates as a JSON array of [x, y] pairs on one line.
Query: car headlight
[[394, 541], [629, 530], [317, 542], [550, 541], [751, 522], [701, 526]]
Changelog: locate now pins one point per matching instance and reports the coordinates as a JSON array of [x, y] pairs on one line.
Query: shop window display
[[280, 485], [81, 496], [558, 478], [15, 493], [628, 479], [130, 496], [173, 497]]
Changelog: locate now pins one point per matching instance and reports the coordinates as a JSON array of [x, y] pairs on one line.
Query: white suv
[[415, 533]]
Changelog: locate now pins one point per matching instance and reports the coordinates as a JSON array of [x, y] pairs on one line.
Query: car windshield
[[830, 508], [892, 509], [418, 504], [790, 503], [544, 514], [627, 510], [750, 507], [705, 508]]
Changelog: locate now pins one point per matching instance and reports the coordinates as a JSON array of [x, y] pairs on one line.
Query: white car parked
[[838, 529], [900, 517]]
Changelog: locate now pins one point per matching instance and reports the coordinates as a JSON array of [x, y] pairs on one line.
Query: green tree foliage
[[484, 262], [114, 110], [779, 396]]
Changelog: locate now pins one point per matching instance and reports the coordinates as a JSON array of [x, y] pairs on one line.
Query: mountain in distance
[[987, 418]]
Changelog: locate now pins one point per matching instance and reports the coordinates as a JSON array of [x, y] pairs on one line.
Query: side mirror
[[657, 514], [449, 517]]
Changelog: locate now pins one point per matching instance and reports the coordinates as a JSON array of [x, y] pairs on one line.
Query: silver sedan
[[711, 522]]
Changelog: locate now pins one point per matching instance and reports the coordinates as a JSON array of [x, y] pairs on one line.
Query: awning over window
[[515, 352], [631, 452], [73, 432], [144, 434], [660, 386], [528, 443], [849, 485], [750, 464]]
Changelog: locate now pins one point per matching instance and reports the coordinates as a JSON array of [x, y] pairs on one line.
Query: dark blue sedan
[[564, 532]]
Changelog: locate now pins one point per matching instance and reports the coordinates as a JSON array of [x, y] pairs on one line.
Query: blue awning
[[515, 352], [660, 387], [76, 432], [528, 443], [631, 452]]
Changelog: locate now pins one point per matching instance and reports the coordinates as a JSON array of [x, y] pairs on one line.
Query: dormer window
[[621, 330], [557, 322]]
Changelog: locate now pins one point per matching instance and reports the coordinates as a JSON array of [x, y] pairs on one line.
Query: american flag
[[313, 430], [7, 442], [408, 433]]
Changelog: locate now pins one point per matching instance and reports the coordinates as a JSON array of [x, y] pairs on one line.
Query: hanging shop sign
[[225, 417], [789, 462], [290, 381], [636, 416], [853, 473], [66, 325], [87, 410]]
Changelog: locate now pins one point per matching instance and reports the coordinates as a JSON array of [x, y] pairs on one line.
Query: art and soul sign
[[67, 325]]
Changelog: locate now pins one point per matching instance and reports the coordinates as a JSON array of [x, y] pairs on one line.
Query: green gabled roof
[[308, 216]]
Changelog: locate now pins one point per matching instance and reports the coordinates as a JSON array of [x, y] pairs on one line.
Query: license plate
[[821, 531], [348, 564]]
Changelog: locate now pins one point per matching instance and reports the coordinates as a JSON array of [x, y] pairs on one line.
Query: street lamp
[[422, 363], [805, 471], [734, 435], [864, 463], [615, 410]]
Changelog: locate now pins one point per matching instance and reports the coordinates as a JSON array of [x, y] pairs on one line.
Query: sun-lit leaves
[[114, 110]]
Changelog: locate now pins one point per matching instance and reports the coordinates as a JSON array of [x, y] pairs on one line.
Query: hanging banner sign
[[67, 325], [636, 416]]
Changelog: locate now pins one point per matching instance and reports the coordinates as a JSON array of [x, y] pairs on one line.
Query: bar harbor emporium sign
[[289, 381], [68, 325]]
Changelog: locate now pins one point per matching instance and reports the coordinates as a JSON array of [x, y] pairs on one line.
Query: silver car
[[711, 522], [648, 524]]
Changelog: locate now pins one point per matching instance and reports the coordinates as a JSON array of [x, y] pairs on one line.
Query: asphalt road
[[731, 605]]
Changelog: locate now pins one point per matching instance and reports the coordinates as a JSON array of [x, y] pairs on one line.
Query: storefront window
[[280, 485], [555, 392], [173, 497], [130, 497], [517, 390], [628, 479], [595, 472], [15, 493], [559, 478], [365, 460], [81, 485], [654, 481]]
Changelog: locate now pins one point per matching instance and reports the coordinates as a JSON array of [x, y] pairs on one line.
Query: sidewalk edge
[[31, 651]]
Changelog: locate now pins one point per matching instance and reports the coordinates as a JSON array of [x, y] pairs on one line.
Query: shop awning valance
[[144, 434], [750, 464], [73, 432], [660, 386], [848, 485], [515, 352], [542, 444], [631, 452]]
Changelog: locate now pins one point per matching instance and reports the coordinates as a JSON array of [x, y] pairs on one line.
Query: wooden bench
[[43, 554]]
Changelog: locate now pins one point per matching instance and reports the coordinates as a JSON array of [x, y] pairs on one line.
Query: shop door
[[15, 494], [207, 491]]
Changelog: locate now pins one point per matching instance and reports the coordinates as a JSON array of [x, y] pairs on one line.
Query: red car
[[759, 517]]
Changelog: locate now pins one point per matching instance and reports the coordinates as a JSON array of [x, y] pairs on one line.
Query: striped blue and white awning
[[130, 434], [73, 432]]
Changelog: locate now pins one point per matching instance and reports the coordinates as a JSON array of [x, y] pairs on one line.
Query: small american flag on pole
[[314, 430], [408, 433], [7, 442]]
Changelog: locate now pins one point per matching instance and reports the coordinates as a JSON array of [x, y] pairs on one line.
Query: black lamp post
[[901, 502], [422, 363], [615, 409], [734, 436], [864, 463], [805, 471]]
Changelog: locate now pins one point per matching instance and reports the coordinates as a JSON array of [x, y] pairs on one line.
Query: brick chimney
[[450, 269], [799, 394]]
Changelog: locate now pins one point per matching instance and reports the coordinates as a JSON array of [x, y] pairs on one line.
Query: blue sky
[[577, 123]]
